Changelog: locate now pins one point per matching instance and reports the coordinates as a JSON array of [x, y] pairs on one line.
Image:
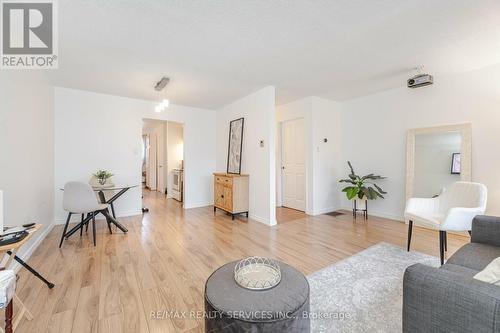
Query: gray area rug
[[363, 293]]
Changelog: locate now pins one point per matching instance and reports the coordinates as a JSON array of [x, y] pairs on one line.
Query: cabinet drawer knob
[[222, 196]]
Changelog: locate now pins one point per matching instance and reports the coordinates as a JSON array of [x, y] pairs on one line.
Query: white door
[[160, 162], [152, 153], [148, 161], [293, 168]]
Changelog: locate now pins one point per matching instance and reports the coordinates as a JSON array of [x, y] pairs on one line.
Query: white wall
[[258, 109], [27, 150], [95, 131], [374, 131], [327, 156], [322, 119]]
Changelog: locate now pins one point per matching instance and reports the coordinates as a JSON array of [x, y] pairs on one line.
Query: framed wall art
[[235, 146]]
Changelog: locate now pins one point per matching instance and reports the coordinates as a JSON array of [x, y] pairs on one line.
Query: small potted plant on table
[[102, 176], [362, 188]]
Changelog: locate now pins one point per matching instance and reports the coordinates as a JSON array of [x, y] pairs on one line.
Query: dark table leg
[[32, 270], [114, 197], [93, 230], [103, 200], [113, 210], [109, 225], [111, 219]]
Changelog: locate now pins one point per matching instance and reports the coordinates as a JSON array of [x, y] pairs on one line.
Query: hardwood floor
[[284, 214], [164, 260]]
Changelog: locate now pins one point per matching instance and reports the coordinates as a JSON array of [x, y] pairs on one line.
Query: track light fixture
[[163, 102]]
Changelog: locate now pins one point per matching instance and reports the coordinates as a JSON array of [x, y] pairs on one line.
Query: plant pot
[[102, 181], [361, 203]]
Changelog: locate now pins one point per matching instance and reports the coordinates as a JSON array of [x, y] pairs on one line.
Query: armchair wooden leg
[[23, 312], [441, 245], [445, 241], [410, 229], [65, 229], [9, 312]]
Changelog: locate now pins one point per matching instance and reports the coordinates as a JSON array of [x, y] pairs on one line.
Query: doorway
[[163, 158], [293, 164]]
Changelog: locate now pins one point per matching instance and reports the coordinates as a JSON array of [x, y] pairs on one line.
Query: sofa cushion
[[491, 274], [475, 256], [462, 270]]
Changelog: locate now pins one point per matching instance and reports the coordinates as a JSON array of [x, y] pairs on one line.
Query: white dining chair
[[79, 198], [452, 210]]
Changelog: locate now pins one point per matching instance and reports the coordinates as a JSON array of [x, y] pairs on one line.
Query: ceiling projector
[[420, 80]]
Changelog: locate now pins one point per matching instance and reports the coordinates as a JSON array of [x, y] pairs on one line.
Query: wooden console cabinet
[[231, 193]]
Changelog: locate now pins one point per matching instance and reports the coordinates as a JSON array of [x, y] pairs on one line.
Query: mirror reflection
[[437, 162]]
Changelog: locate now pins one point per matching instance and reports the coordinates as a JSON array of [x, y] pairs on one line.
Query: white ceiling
[[217, 51]]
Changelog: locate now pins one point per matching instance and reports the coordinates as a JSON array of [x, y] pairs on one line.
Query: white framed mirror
[[437, 157]]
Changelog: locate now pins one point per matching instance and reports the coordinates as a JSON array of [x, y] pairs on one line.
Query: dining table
[[117, 191]]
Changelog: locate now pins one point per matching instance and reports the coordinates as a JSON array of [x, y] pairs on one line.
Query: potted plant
[[362, 187], [102, 176]]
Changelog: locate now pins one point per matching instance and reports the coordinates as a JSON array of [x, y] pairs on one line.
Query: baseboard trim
[[76, 218], [124, 214], [263, 220], [197, 205], [380, 214], [322, 211]]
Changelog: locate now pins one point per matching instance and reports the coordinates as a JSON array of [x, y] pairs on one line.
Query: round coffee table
[[232, 308]]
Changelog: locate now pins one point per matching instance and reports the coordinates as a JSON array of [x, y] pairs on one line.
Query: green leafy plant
[[103, 176], [362, 187]]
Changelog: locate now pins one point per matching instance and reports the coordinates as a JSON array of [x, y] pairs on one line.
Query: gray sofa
[[448, 299]]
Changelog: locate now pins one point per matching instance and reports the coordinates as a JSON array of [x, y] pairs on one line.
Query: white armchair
[[453, 210]]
